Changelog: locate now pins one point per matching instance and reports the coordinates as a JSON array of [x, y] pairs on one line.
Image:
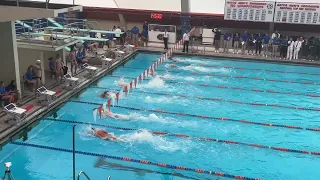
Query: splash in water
[[156, 82], [158, 142]]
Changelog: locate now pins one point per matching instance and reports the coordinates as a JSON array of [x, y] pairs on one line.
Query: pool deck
[[9, 130]]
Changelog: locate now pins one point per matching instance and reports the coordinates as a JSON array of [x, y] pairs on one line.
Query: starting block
[[90, 69], [15, 112], [129, 47], [106, 62], [45, 96], [72, 82], [119, 55]]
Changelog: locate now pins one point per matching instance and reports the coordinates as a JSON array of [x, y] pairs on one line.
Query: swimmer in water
[[103, 134], [116, 116], [172, 66], [122, 84], [107, 94]]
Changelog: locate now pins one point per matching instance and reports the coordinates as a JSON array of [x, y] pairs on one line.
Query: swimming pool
[[259, 109]]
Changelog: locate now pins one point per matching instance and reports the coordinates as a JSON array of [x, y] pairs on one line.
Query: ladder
[[86, 175]]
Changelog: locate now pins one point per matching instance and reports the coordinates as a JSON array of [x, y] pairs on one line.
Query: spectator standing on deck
[[251, 41], [135, 33], [145, 33], [38, 73], [305, 50], [217, 37], [275, 45], [297, 47], [118, 35], [185, 42], [244, 42], [226, 42], [283, 47], [259, 39], [275, 34], [290, 48], [236, 39], [165, 39], [266, 44]]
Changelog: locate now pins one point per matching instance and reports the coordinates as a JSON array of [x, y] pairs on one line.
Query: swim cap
[[93, 128]]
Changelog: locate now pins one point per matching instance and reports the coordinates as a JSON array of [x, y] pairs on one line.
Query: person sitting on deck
[[103, 134], [12, 90], [91, 45], [81, 58], [4, 94]]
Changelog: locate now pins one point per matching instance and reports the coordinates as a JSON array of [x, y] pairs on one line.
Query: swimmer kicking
[[107, 94], [115, 116], [122, 84], [103, 134]]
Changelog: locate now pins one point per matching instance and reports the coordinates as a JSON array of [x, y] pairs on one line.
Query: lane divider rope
[[236, 101], [201, 171], [234, 88], [206, 117], [159, 133], [241, 77]]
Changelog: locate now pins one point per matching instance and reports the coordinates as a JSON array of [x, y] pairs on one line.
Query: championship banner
[[259, 11], [297, 13]]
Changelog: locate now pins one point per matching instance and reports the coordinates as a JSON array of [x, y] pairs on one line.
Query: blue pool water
[[31, 163]]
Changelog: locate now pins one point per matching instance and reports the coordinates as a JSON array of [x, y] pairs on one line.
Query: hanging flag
[[140, 78], [130, 86], [135, 82], [117, 97], [109, 103], [147, 71], [143, 75], [100, 110]]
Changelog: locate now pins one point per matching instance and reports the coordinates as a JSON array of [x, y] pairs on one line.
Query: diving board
[[61, 36], [83, 30], [24, 25], [54, 22]]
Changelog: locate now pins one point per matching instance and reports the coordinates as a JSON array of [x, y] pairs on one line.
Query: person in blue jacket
[[275, 45], [244, 42], [226, 42], [266, 44], [135, 33]]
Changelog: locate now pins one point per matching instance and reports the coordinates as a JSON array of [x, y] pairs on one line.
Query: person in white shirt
[[290, 49], [297, 47], [165, 39], [185, 42], [117, 34], [275, 34]]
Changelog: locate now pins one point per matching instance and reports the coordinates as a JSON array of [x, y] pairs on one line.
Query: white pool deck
[[10, 128]]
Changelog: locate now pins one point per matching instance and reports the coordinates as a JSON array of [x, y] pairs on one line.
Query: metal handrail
[[85, 174]]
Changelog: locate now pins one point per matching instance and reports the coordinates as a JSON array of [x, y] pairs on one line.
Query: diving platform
[[20, 10], [82, 30]]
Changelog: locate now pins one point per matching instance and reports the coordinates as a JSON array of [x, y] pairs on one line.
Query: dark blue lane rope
[[135, 160]]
